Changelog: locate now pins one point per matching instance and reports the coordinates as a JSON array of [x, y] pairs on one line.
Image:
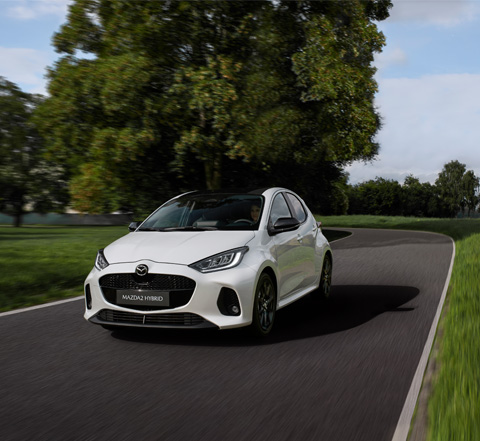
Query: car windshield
[[203, 212]]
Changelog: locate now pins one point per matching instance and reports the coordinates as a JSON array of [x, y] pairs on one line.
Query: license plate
[[143, 298]]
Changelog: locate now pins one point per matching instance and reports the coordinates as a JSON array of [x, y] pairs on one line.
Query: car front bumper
[[202, 310]]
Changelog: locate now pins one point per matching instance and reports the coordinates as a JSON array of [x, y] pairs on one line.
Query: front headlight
[[222, 261], [101, 262]]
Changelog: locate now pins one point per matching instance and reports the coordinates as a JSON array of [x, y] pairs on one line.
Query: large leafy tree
[[187, 94], [471, 186], [458, 188], [26, 177]]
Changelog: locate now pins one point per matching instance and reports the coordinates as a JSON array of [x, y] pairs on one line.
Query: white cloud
[[35, 9], [390, 57], [25, 66], [438, 12], [428, 122]]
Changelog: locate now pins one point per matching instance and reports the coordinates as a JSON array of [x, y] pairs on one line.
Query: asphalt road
[[338, 373]]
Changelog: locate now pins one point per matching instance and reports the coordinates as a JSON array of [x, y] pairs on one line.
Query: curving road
[[340, 373]]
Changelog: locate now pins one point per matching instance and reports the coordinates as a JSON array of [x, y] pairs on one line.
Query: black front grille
[[161, 282], [169, 320], [180, 288]]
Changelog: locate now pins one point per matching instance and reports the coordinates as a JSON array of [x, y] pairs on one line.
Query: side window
[[297, 207], [279, 209]]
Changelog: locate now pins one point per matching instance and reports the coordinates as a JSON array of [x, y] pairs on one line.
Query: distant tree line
[[455, 191]]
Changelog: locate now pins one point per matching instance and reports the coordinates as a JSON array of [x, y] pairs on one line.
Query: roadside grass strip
[[42, 264], [454, 407]]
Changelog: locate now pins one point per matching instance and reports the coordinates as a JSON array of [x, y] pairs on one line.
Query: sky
[[428, 79]]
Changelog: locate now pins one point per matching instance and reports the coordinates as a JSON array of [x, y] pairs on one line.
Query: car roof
[[256, 191]]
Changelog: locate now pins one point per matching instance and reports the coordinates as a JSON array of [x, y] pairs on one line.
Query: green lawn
[[40, 264], [454, 406]]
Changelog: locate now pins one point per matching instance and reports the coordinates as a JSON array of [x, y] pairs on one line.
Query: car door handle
[[299, 238]]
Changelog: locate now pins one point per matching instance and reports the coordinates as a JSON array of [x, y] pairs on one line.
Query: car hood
[[177, 247]]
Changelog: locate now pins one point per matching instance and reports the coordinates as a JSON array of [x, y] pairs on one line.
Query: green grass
[[40, 264], [454, 405]]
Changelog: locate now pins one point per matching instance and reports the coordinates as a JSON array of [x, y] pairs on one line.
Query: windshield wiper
[[151, 229], [190, 228]]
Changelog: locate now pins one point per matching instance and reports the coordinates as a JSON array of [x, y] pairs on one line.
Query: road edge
[[43, 305]]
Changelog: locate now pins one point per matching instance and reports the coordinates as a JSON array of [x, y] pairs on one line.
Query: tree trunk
[[17, 219]]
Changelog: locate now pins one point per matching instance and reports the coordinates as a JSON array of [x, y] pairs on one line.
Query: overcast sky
[[428, 76]]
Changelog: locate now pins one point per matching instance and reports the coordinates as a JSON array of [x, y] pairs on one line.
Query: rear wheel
[[326, 277], [264, 306], [322, 293]]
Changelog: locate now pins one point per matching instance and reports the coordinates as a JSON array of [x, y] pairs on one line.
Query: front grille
[[161, 282], [180, 288], [169, 320]]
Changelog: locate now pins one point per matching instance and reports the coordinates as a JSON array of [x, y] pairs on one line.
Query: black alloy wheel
[[326, 277], [264, 306]]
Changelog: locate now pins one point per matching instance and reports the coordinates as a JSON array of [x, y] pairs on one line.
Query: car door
[[306, 235], [287, 250]]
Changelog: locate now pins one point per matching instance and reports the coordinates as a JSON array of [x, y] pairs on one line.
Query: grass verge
[[454, 405], [41, 264]]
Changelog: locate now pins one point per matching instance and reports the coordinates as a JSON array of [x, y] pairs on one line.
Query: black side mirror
[[284, 224], [133, 226]]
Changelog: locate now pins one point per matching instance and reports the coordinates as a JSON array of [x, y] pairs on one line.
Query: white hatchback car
[[211, 259]]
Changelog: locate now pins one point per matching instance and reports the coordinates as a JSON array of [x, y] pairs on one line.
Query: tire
[[326, 277], [322, 293], [264, 306]]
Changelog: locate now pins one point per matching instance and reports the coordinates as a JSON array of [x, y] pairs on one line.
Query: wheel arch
[[269, 270]]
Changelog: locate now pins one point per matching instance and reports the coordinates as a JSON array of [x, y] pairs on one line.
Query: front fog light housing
[[101, 262], [222, 261]]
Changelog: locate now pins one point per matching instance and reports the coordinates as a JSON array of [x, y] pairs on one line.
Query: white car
[[211, 259]]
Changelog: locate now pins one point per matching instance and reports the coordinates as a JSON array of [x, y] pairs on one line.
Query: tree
[[379, 197], [413, 198], [26, 177], [419, 199], [450, 185], [175, 93], [471, 185]]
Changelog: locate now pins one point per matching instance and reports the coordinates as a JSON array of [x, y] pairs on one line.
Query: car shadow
[[349, 306]]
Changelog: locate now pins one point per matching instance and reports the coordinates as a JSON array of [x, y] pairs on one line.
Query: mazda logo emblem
[[141, 270]]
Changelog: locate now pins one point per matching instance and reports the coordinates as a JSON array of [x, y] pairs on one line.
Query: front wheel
[[264, 306]]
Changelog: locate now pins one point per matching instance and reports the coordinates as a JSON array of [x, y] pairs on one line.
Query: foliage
[[449, 184], [379, 197], [181, 95], [454, 191], [419, 199], [26, 177], [470, 187]]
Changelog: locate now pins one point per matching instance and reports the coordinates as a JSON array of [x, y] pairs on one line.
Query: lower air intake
[[170, 320]]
